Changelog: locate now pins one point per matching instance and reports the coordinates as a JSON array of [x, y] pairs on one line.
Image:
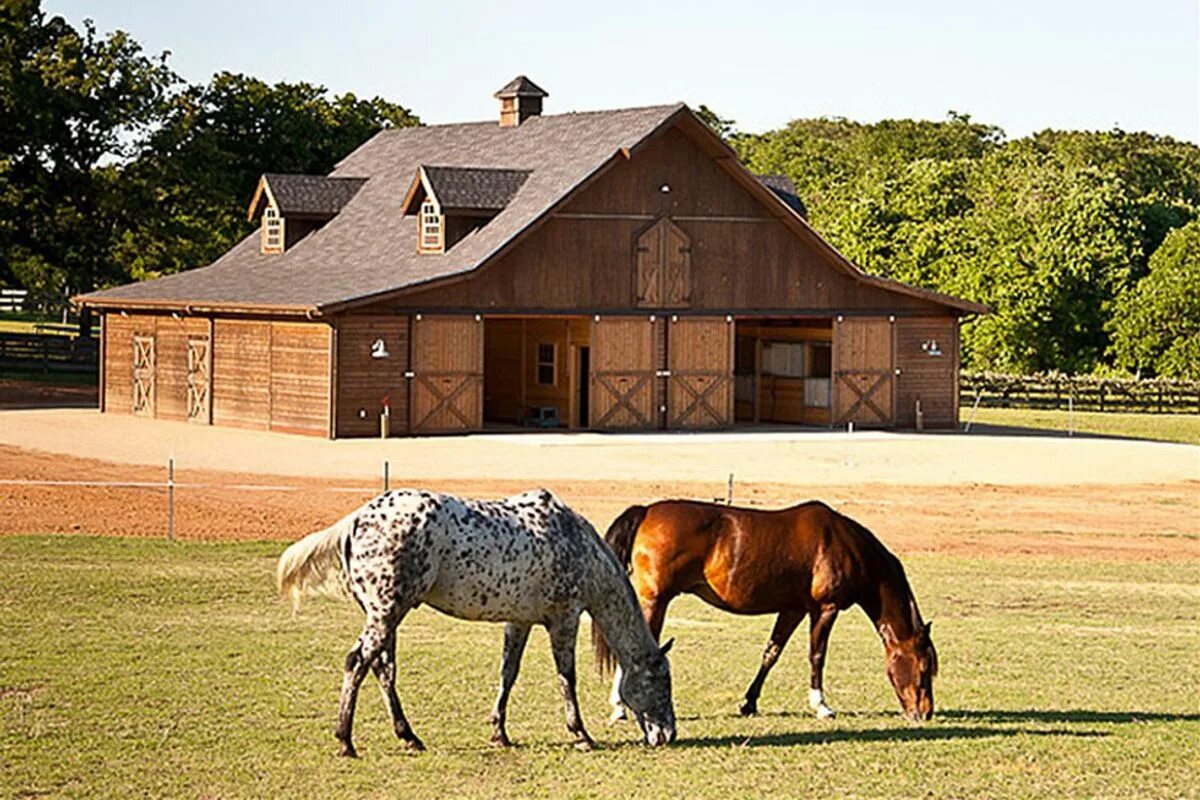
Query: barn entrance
[[784, 371], [533, 371]]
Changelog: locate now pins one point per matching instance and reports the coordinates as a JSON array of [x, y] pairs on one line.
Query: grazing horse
[[807, 560], [527, 560]]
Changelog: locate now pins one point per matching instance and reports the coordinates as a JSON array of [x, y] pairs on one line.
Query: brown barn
[[614, 270]]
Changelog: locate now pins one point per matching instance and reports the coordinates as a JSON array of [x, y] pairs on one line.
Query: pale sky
[[1024, 65]]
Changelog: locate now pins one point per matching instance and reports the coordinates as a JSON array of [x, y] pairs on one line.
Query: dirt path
[[1138, 521]]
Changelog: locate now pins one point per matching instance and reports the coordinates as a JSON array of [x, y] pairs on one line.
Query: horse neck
[[614, 609], [894, 607]]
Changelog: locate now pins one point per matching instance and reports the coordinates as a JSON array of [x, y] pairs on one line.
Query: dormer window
[[432, 238], [272, 230]]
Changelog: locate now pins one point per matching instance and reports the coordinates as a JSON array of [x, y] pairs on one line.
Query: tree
[[194, 180], [721, 126], [1156, 325], [74, 106]]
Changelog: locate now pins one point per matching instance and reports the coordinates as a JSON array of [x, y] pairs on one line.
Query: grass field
[[1159, 427], [135, 668]]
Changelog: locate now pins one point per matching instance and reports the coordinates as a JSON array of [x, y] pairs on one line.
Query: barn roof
[[306, 195], [783, 187], [482, 188], [368, 249]]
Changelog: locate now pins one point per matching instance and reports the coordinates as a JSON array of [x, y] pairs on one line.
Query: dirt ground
[[1134, 522]]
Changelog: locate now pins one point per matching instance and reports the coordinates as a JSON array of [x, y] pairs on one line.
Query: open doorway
[[533, 368], [783, 371]]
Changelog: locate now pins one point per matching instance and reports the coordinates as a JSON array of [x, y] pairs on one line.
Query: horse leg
[[655, 611], [785, 625], [515, 636], [376, 631], [821, 624], [384, 667], [562, 642]]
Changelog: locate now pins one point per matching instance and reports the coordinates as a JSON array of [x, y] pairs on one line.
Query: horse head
[[646, 688], [911, 667]]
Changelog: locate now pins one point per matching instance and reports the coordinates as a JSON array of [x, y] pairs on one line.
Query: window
[[783, 359], [431, 227], [546, 362], [272, 231]]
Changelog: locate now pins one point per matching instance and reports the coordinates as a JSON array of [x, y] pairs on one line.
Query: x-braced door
[[143, 376], [447, 374], [626, 370], [864, 376], [198, 382], [700, 372]]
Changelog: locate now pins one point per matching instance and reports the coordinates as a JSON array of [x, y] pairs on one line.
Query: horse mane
[[895, 569]]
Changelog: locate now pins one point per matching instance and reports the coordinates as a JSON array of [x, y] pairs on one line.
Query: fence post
[[729, 491], [171, 499], [1071, 415], [385, 475]]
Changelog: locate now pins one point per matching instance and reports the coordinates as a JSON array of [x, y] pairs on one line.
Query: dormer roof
[[314, 196], [470, 189]]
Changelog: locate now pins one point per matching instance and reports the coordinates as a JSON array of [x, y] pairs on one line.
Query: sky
[[1024, 65]]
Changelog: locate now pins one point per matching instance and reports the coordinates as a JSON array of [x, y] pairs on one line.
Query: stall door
[[198, 367], [143, 376], [864, 376], [625, 371], [700, 373], [447, 375]]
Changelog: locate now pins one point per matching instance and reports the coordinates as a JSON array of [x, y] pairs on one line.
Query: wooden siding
[[447, 386], [863, 372], [504, 370], [700, 362], [299, 388], [241, 387], [933, 379], [741, 258], [511, 385], [170, 336], [364, 381]]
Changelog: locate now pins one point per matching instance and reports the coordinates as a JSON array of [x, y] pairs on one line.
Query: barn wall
[[241, 373], [171, 360], [118, 362], [741, 257], [299, 387], [932, 379], [503, 370], [363, 381]]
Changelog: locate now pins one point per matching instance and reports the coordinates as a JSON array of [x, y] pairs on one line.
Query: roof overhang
[[194, 306]]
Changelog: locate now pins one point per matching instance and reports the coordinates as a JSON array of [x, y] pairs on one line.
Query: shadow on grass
[[1074, 715], [925, 733]]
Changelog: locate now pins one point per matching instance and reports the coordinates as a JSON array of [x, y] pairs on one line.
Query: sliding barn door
[[625, 369], [864, 376], [700, 367], [199, 368], [144, 365], [447, 367]]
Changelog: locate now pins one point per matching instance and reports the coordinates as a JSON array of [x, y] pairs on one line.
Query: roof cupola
[[520, 99]]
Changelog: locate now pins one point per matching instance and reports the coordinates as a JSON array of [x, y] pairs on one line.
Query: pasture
[[138, 668]]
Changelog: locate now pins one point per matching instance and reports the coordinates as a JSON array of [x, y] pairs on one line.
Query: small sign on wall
[[379, 349]]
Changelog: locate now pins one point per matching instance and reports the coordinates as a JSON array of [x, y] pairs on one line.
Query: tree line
[[1086, 245]]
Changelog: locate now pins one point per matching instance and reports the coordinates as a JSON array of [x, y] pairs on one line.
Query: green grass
[[135, 668], [1183, 428]]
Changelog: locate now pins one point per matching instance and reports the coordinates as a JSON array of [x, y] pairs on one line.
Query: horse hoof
[[825, 712], [501, 741], [347, 751], [585, 745], [618, 715], [748, 709], [414, 744]]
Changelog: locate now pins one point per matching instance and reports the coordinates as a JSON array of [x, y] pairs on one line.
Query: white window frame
[[272, 230], [431, 228]]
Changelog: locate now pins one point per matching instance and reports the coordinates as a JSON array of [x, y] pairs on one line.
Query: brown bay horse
[[807, 560]]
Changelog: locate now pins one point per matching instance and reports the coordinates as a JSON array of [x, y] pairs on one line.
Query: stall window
[[546, 364]]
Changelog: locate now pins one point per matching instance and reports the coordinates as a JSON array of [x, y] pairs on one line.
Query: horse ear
[[666, 648], [928, 627]]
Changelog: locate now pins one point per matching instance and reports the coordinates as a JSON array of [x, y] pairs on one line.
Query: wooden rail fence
[[1084, 392], [49, 352]]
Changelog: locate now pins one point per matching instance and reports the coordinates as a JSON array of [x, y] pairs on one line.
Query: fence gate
[[143, 376], [447, 375], [625, 364], [700, 373], [864, 376], [198, 370]]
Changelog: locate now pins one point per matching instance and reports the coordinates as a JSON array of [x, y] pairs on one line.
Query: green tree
[[195, 177], [1156, 325]]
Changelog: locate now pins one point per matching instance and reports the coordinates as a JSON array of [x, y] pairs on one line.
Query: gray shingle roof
[[485, 188], [521, 86], [316, 195], [785, 190], [370, 248]]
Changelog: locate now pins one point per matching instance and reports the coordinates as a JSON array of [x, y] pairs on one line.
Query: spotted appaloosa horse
[[807, 560], [527, 560]]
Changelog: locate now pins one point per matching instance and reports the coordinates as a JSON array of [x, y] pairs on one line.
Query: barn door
[[625, 368], [864, 376], [198, 350], [700, 373], [447, 375], [663, 267], [143, 376]]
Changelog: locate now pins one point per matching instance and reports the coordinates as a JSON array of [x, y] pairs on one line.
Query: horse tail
[[315, 564], [620, 538]]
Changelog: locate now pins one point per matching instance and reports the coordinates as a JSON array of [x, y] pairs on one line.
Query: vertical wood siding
[[932, 379], [364, 381], [700, 361], [447, 387], [863, 373]]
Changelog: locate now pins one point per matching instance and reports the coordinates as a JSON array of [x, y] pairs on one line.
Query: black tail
[[620, 538]]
